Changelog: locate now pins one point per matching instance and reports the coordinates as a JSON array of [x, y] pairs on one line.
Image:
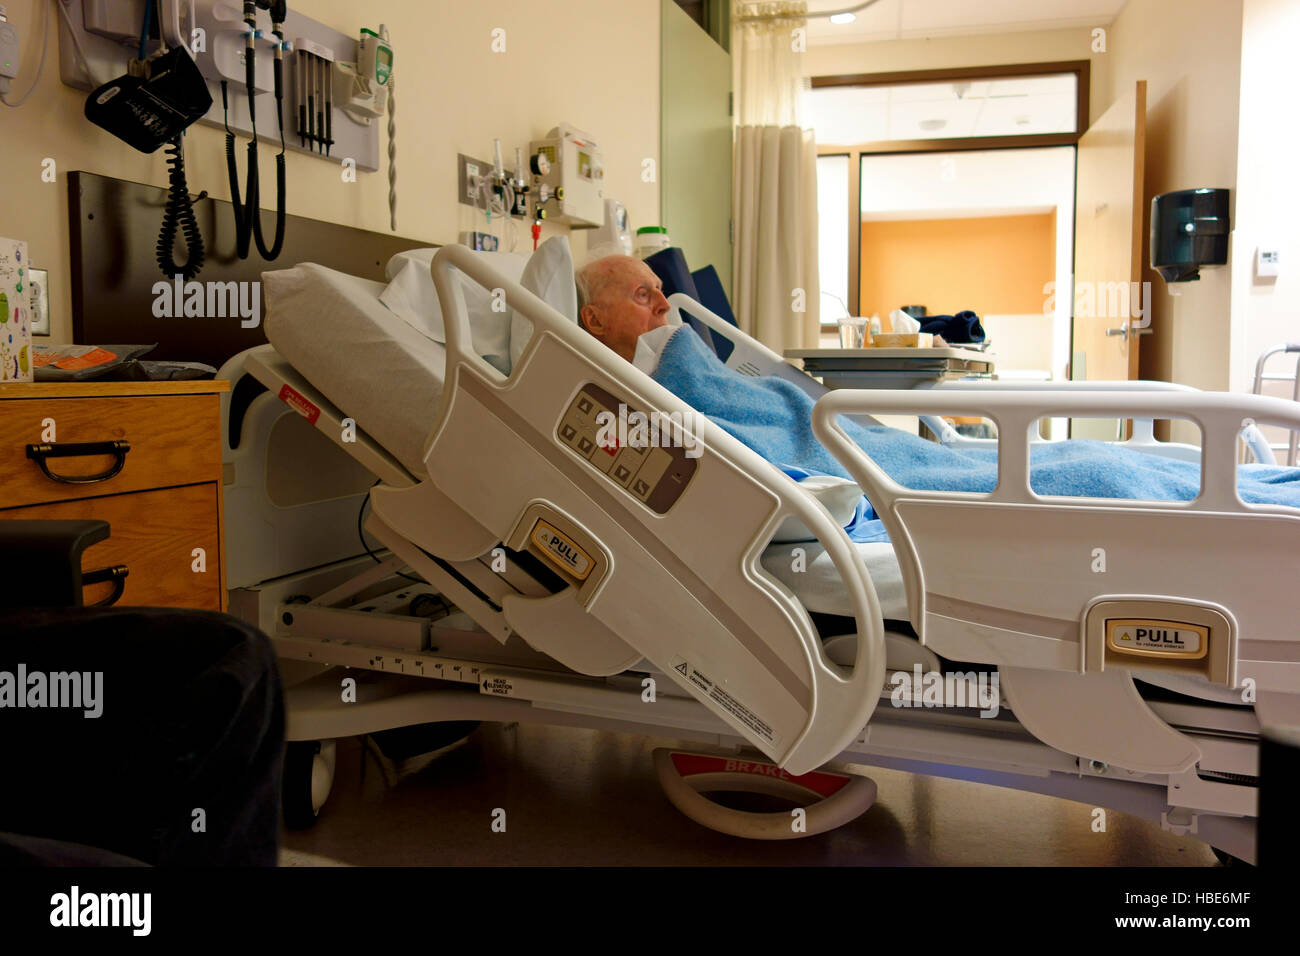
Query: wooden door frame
[[1081, 69]]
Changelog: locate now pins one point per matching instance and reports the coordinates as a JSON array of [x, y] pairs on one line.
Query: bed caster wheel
[[308, 776]]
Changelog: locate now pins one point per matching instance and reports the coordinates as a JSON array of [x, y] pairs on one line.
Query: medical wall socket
[[468, 170], [480, 241], [109, 34]]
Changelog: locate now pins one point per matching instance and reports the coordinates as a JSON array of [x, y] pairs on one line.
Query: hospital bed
[[565, 595]]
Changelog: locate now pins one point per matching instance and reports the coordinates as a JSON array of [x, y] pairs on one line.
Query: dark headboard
[[113, 233]]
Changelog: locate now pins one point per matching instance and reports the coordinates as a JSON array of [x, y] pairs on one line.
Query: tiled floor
[[582, 797]]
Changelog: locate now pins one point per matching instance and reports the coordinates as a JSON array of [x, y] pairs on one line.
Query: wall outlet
[[468, 171], [480, 241]]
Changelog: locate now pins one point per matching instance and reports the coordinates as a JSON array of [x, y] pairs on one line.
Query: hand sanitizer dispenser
[[1189, 229]]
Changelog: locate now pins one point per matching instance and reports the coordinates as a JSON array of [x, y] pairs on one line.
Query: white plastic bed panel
[[978, 560], [640, 599], [698, 606]]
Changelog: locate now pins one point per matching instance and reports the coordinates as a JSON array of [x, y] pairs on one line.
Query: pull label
[[1150, 638], [560, 550]]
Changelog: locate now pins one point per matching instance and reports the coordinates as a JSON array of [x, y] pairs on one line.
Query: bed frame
[[730, 657]]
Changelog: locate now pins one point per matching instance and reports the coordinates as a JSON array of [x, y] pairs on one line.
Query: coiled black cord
[[179, 213]]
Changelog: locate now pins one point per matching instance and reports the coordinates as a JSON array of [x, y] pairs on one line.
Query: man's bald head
[[619, 299]]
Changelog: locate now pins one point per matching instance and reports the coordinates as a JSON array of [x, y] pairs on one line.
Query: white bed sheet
[[388, 377], [819, 587]]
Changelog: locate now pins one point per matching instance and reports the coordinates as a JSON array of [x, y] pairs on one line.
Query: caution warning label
[[713, 692]]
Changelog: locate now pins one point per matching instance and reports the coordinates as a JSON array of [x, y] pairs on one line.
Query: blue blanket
[[774, 418]]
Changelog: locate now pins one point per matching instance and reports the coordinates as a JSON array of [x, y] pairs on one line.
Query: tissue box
[[902, 340], [15, 313]]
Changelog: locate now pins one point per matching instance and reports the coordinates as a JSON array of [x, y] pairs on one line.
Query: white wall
[[585, 62], [1189, 52], [1266, 312]]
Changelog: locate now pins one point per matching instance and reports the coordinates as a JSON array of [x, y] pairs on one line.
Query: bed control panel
[[646, 454]]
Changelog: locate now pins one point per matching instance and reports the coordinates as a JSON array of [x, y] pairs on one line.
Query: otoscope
[[248, 220]]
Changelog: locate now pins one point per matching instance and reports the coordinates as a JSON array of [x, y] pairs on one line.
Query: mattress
[[381, 372], [388, 377]]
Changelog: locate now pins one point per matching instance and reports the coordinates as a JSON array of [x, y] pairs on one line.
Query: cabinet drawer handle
[[117, 574], [78, 449]]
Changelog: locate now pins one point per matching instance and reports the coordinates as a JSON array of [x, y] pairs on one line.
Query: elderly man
[[619, 299]]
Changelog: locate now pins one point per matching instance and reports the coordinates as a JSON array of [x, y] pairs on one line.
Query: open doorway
[[954, 190], [986, 231]]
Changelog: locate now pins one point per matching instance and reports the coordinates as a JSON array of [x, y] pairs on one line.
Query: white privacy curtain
[[774, 180]]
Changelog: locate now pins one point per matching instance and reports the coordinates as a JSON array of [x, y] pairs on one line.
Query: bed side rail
[[1142, 438], [1011, 577]]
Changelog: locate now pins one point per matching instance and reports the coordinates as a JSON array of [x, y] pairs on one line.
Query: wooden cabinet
[[146, 458]]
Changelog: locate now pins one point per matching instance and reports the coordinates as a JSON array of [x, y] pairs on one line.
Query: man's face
[[630, 302]]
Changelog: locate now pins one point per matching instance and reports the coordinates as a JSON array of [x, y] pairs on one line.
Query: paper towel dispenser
[[1189, 229]]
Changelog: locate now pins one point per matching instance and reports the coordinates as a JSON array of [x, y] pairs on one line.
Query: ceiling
[[908, 19]]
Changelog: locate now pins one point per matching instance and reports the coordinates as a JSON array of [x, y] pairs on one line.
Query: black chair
[[153, 735]]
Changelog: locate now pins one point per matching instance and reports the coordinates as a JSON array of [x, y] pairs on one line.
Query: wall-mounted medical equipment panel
[[344, 81], [569, 164]]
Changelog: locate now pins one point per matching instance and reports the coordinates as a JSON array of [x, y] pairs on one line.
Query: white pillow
[[411, 296], [839, 496], [549, 276]]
